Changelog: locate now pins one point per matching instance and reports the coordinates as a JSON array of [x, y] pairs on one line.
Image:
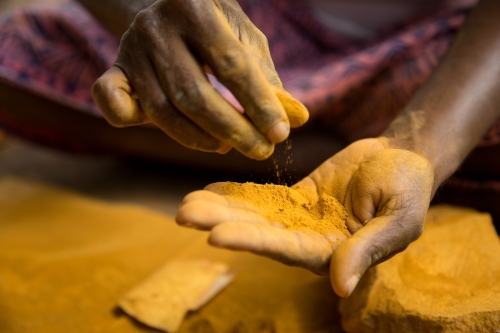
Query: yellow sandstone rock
[[447, 281]]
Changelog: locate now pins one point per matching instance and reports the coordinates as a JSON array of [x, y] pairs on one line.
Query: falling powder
[[281, 172]]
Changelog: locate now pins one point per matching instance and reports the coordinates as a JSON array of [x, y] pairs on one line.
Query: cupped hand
[[385, 191], [160, 77]]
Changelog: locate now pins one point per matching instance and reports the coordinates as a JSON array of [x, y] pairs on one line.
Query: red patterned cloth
[[56, 51], [354, 88]]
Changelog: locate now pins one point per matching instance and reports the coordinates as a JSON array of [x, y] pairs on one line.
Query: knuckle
[[100, 91], [261, 38], [231, 7], [233, 61], [145, 21], [125, 39], [194, 6], [417, 233], [157, 108], [377, 252], [188, 96], [99, 88], [194, 11], [256, 38]]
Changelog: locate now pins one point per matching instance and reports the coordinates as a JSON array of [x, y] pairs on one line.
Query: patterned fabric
[[354, 88], [357, 88], [56, 52]]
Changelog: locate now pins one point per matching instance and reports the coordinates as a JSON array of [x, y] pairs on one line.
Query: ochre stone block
[[447, 281]]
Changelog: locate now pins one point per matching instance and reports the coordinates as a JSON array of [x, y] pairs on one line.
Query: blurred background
[[117, 178]]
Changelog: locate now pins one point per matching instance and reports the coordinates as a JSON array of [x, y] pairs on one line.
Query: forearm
[[116, 15], [452, 111]]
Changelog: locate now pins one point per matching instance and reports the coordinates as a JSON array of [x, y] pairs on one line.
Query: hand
[[386, 193], [159, 76]]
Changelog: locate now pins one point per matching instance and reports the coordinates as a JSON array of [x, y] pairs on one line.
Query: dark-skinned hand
[[160, 77], [385, 191]]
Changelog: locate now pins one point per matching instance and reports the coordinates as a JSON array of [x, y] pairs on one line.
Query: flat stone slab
[[447, 281]]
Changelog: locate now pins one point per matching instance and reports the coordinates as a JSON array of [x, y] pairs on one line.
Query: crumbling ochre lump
[[447, 281], [163, 300], [288, 207]]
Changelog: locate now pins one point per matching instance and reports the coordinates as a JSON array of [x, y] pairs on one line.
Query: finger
[[235, 67], [191, 92], [157, 107], [219, 188], [309, 250], [297, 113], [112, 93], [257, 45], [360, 203], [377, 241], [205, 215], [204, 195], [217, 193]]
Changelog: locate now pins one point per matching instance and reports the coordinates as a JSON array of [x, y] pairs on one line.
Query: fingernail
[[279, 132], [351, 284]]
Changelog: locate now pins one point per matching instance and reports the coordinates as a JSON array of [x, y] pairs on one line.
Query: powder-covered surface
[[447, 281], [288, 207], [66, 260]]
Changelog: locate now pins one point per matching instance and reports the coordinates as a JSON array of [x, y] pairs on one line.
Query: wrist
[[409, 133]]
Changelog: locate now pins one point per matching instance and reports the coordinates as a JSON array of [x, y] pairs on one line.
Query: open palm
[[386, 193]]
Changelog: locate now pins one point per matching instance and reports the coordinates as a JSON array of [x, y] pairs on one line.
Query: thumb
[[380, 239], [114, 96], [296, 111]]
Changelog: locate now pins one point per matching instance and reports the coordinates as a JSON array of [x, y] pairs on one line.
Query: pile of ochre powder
[[290, 208]]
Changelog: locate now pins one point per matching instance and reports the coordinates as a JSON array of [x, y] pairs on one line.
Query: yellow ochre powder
[[288, 207]]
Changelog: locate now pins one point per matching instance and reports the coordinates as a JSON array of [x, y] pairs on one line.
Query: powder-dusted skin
[[288, 207], [447, 281], [296, 112]]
